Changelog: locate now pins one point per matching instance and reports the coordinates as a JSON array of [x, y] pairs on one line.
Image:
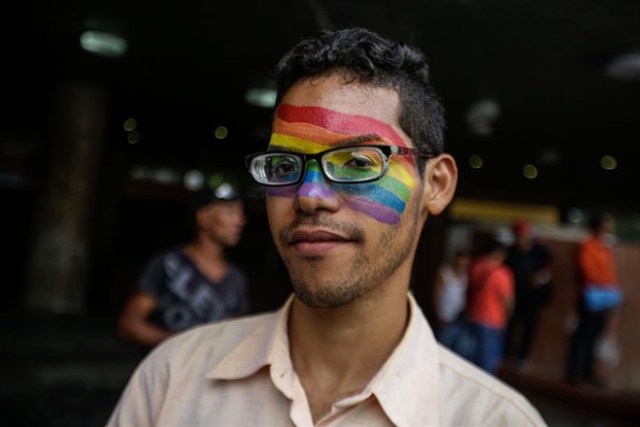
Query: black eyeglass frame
[[386, 150]]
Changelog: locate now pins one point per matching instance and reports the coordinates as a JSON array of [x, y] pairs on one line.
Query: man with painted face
[[354, 166]]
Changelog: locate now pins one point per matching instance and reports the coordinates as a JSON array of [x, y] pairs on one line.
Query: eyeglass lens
[[350, 164]]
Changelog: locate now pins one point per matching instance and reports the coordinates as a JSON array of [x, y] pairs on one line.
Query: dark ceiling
[[189, 64]]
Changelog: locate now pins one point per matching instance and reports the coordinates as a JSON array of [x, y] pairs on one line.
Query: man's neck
[[336, 352], [208, 257], [206, 248]]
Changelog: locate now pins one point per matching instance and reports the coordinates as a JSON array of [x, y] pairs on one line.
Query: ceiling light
[[193, 180], [575, 216], [476, 161], [221, 132], [624, 67], [482, 115], [530, 171], [261, 97], [608, 163], [130, 125], [103, 43]]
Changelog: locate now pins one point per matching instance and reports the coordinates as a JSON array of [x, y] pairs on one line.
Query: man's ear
[[439, 184]]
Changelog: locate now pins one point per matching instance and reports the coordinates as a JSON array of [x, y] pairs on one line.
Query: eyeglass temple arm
[[404, 150]]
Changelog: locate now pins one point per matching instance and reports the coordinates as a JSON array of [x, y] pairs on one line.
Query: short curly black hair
[[368, 58]]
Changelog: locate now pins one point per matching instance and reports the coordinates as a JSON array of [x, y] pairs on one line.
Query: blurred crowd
[[489, 299]]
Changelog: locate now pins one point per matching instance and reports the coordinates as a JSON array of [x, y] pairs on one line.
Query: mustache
[[350, 231]]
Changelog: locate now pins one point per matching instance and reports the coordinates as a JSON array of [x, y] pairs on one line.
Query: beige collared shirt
[[239, 373]]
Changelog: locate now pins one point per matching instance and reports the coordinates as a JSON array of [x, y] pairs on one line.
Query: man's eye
[[284, 167], [360, 161]]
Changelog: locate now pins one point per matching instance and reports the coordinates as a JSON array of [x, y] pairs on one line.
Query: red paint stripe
[[349, 124]]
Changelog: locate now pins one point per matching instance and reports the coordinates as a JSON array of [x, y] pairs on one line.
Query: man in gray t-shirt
[[192, 284], [186, 297]]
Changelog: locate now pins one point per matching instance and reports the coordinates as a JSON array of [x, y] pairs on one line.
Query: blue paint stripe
[[375, 193], [313, 174]]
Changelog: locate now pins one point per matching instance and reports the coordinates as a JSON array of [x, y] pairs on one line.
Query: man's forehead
[[289, 117]]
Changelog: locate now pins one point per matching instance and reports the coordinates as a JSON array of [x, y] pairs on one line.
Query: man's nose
[[314, 192]]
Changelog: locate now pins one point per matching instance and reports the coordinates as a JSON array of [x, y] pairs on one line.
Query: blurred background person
[[530, 263], [450, 293], [194, 283], [489, 304], [598, 296]]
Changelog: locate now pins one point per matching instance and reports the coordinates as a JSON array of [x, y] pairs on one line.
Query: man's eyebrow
[[361, 138]]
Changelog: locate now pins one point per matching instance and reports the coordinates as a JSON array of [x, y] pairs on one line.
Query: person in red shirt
[[489, 304], [597, 275]]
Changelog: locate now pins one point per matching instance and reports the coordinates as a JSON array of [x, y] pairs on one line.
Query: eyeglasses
[[352, 164]]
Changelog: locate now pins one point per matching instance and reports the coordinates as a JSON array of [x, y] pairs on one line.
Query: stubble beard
[[356, 281]]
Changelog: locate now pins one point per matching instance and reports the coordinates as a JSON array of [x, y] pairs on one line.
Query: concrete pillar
[[58, 267]]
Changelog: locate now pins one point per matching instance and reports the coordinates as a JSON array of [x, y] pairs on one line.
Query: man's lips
[[315, 236], [317, 242]]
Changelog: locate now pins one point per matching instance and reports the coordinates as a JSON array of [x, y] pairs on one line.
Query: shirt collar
[[264, 346], [406, 386]]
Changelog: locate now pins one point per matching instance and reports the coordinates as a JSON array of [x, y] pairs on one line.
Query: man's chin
[[320, 302], [326, 295]]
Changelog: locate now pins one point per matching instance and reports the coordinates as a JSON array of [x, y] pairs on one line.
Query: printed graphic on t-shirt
[[186, 298]]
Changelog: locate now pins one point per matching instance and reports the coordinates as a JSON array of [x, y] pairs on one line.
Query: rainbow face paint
[[311, 130]]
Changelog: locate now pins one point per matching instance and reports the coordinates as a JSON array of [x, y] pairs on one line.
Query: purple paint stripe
[[377, 211], [308, 189], [313, 189]]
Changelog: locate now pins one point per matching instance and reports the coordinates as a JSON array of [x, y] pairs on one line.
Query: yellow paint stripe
[[400, 172], [293, 143]]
